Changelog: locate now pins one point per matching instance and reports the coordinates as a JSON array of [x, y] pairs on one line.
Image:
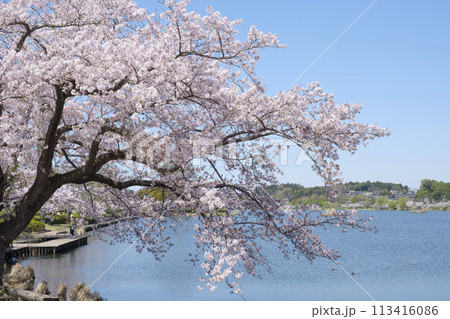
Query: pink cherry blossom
[[99, 99]]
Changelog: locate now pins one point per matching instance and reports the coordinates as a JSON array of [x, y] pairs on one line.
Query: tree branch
[[2, 186], [45, 160], [62, 130], [116, 87], [29, 30], [67, 157], [126, 184], [95, 145]]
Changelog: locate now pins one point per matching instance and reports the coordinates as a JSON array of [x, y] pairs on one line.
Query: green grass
[[57, 228]]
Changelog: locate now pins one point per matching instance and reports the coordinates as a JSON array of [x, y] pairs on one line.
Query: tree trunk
[[2, 263], [22, 214], [9, 231]]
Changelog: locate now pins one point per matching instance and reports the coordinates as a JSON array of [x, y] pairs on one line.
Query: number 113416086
[[380, 310]]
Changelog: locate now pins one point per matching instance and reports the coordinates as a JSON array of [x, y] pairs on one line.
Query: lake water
[[408, 259]]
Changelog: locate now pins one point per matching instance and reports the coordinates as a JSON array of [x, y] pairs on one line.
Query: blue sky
[[395, 61]]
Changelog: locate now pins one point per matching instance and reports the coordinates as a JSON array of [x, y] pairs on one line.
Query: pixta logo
[[156, 148]]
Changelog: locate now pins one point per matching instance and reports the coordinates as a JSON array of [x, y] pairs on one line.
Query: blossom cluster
[[100, 100]]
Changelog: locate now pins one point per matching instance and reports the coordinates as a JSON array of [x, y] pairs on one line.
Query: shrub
[[59, 218], [55, 218], [35, 226], [21, 277], [75, 215], [392, 205], [81, 292], [62, 292], [42, 288]]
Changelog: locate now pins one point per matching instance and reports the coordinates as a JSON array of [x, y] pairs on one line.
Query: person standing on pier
[[72, 226]]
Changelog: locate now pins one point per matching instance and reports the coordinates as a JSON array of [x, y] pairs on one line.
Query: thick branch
[[250, 136], [24, 36], [45, 160], [29, 30], [126, 184], [95, 145], [83, 174], [116, 87], [2, 187]]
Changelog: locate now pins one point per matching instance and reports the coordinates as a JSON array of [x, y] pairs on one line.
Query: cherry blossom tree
[[99, 100]]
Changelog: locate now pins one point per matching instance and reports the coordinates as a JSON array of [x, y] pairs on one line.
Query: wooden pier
[[50, 247]]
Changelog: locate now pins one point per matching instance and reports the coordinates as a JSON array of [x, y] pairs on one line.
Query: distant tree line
[[291, 191], [375, 186], [433, 190], [298, 194]]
